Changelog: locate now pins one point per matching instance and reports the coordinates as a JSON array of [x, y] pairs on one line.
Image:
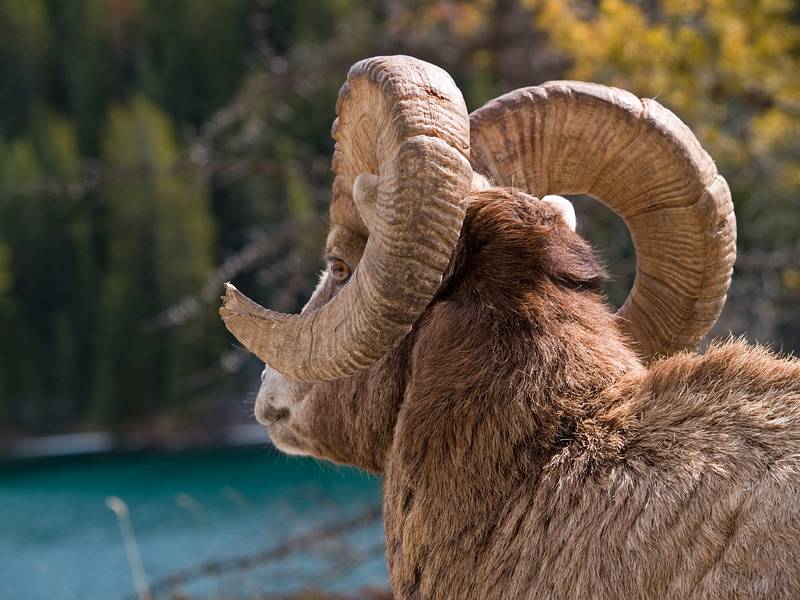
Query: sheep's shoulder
[[732, 408]]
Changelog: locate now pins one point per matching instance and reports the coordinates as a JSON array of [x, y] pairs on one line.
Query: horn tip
[[233, 302], [236, 304]]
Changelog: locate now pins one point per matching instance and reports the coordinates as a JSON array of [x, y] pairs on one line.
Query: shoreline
[[94, 443]]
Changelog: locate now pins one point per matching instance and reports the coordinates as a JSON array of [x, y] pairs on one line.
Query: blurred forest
[[151, 150]]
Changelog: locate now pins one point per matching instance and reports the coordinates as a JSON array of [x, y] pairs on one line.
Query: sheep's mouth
[[271, 414]]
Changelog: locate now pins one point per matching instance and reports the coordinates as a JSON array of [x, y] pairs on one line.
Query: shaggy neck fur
[[507, 368]]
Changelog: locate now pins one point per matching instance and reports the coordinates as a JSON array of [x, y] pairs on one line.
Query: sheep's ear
[[564, 208], [365, 196], [573, 263]]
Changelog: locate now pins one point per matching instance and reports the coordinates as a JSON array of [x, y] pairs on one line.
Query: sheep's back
[[702, 501]]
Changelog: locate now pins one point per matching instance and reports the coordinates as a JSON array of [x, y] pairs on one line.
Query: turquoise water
[[59, 541]]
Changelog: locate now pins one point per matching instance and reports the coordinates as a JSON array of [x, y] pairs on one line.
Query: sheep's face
[[281, 401], [304, 418]]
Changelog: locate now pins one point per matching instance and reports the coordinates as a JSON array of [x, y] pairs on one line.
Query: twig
[[118, 507]]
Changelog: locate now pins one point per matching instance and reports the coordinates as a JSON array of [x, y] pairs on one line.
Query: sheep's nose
[[271, 404], [266, 414]]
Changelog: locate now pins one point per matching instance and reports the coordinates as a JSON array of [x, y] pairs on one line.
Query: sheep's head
[[296, 412], [402, 169]]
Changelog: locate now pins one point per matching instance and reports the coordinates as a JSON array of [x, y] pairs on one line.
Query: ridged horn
[[642, 162], [405, 121]]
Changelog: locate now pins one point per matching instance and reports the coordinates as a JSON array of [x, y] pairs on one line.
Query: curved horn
[[641, 161], [405, 121]]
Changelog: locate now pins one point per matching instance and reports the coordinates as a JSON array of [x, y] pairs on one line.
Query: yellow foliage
[[791, 279], [461, 19], [729, 68]]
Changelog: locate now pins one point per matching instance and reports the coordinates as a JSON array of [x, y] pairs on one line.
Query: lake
[[235, 522]]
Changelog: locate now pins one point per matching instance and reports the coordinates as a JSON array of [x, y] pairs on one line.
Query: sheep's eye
[[339, 270]]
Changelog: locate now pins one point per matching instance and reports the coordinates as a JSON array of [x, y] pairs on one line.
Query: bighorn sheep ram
[[533, 444]]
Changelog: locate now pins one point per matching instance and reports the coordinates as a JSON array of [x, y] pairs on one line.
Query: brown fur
[[528, 454]]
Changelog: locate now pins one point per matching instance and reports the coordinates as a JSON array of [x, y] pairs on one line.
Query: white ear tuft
[[565, 209], [365, 196], [480, 182]]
